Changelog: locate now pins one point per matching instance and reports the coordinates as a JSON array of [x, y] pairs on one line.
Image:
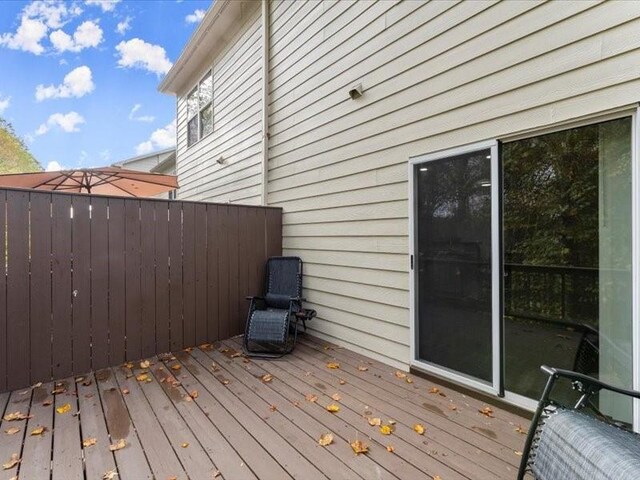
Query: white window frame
[[196, 91], [632, 111]]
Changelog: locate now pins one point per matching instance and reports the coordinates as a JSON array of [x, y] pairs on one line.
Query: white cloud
[[77, 83], [140, 118], [106, 5], [4, 104], [67, 122], [87, 35], [195, 17], [53, 166], [136, 53], [35, 21], [28, 36], [63, 62], [123, 26], [159, 139]]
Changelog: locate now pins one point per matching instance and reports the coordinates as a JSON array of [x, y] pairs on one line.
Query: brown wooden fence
[[93, 281]]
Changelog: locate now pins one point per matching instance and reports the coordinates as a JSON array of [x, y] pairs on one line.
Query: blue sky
[[79, 78]]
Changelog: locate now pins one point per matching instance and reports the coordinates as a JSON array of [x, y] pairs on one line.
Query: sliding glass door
[[455, 310], [526, 259]]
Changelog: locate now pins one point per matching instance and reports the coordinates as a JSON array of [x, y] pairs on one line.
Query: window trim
[[200, 108]]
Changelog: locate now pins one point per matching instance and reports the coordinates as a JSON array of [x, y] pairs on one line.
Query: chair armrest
[[587, 381]]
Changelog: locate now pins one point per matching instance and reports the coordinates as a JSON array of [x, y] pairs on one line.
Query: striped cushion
[[574, 446]]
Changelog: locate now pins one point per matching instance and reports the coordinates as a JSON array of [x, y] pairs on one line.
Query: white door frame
[[494, 387]]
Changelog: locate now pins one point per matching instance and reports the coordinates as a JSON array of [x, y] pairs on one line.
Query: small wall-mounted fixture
[[220, 161], [355, 91]]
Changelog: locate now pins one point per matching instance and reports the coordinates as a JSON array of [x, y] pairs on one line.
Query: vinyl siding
[[435, 75]]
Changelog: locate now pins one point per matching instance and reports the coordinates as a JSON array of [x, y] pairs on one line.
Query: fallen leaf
[[38, 431], [119, 445], [125, 391], [325, 439], [273, 408], [64, 408], [333, 408], [385, 430], [390, 449], [110, 475], [176, 366], [216, 474], [518, 452], [342, 382], [87, 382], [267, 378], [359, 447], [400, 374], [336, 397], [194, 394], [453, 407], [46, 403], [521, 430], [363, 368], [13, 461], [434, 390], [409, 380], [89, 442], [145, 364], [486, 411], [37, 385], [391, 422], [187, 398], [375, 422], [206, 346], [79, 379], [143, 377], [172, 477], [236, 355], [12, 430], [418, 428], [333, 365], [310, 397], [58, 390], [184, 445], [128, 365], [225, 382], [437, 477]]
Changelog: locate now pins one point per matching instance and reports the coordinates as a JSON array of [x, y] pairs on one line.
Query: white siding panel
[[436, 75]]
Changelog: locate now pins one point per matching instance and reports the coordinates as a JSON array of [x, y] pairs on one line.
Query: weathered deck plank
[[11, 443], [37, 448], [67, 451]]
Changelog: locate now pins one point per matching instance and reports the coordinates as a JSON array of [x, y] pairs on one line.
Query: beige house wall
[[435, 75]]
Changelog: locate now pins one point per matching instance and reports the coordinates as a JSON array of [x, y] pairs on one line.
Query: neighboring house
[[162, 161], [489, 145]]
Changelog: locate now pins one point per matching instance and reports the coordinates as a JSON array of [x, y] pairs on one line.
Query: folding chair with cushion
[[272, 323], [579, 442]]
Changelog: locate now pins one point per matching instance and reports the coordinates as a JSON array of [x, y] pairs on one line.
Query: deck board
[[234, 425]]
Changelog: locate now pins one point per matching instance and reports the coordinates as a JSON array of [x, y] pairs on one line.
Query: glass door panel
[[453, 214], [567, 246]]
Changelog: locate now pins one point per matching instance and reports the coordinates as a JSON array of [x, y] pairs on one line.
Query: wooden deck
[[211, 413]]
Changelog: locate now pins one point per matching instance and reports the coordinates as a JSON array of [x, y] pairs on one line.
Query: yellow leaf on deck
[[128, 365], [184, 445], [12, 430], [521, 430], [119, 445], [267, 378], [13, 461], [390, 449], [310, 397], [518, 452], [333, 365], [486, 411], [409, 380], [333, 408], [359, 446], [38, 431], [437, 477], [143, 377], [400, 374], [64, 408], [336, 397], [363, 368], [177, 366], [434, 390], [89, 442], [419, 429], [145, 364], [10, 417], [110, 475], [194, 394], [386, 429], [375, 422], [325, 439], [342, 382], [273, 408]]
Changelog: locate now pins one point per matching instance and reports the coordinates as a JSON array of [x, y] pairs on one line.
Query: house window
[[200, 110]]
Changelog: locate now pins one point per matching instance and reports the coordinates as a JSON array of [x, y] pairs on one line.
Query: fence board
[[200, 244], [61, 284], [212, 273], [147, 279], [92, 281], [163, 335], [175, 275], [18, 288], [3, 291], [81, 281], [117, 282], [132, 261], [99, 283], [40, 287]]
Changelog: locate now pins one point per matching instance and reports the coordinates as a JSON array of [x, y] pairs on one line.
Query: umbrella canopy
[[104, 181]]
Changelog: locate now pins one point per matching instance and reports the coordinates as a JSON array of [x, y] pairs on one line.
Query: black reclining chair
[[272, 323]]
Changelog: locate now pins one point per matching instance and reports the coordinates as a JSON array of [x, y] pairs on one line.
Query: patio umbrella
[[103, 180]]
